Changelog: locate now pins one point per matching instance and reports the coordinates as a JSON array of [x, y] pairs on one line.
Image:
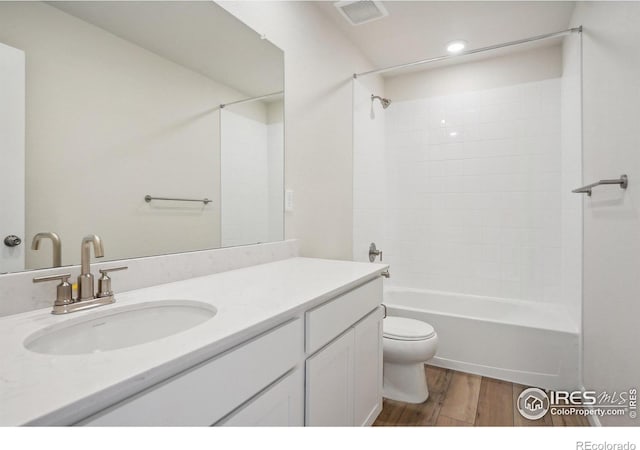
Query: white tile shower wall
[[19, 294], [473, 192], [244, 180]]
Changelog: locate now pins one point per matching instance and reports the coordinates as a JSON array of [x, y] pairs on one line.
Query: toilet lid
[[404, 329]]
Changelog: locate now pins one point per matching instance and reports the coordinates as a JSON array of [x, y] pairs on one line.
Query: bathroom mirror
[[156, 125]]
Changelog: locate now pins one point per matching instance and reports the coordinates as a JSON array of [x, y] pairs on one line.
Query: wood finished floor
[[462, 399]]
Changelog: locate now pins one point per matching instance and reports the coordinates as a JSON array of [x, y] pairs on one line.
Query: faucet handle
[[63, 290], [104, 282], [113, 269], [62, 277]]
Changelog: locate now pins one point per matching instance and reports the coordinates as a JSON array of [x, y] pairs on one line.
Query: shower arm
[[385, 102]]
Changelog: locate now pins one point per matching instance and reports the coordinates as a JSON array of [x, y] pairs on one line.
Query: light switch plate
[[288, 200]]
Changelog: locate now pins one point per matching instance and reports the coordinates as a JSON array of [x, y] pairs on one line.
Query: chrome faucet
[[85, 279], [55, 242]]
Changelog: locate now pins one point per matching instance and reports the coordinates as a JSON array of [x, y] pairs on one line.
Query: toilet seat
[[403, 329]]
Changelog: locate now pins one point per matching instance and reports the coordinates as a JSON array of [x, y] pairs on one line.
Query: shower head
[[385, 102]]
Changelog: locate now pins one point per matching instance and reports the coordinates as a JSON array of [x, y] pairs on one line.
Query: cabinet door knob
[[12, 241]]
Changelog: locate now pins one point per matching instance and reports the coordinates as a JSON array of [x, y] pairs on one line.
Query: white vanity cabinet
[[367, 375], [344, 377], [341, 384], [330, 384], [207, 393], [321, 368]]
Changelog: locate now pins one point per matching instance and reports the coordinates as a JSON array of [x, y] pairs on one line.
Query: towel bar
[[148, 198]]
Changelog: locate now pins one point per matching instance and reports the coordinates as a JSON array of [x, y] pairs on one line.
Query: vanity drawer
[[280, 405], [327, 321], [211, 390]]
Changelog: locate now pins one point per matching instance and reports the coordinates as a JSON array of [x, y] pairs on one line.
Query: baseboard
[[374, 415]]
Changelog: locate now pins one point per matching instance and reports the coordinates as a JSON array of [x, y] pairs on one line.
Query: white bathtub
[[525, 342]]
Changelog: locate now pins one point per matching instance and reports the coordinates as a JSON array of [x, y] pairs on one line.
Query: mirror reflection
[[112, 125], [252, 162]]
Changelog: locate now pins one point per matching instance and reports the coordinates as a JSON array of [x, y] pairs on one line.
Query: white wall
[[472, 73], [611, 102], [571, 168], [107, 123], [369, 169], [319, 62], [275, 149]]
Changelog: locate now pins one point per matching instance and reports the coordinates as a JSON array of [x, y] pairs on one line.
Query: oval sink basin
[[120, 327]]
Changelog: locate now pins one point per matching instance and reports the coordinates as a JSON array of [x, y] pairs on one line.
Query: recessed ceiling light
[[456, 46]]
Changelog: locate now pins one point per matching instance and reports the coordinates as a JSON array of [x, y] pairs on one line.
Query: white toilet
[[407, 345]]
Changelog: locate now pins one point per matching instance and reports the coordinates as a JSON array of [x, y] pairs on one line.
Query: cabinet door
[[329, 389], [280, 405], [368, 369]]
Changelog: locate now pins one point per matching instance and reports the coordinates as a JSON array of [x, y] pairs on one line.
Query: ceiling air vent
[[361, 11]]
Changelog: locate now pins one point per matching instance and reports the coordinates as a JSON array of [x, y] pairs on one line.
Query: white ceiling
[[199, 35], [416, 30]]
